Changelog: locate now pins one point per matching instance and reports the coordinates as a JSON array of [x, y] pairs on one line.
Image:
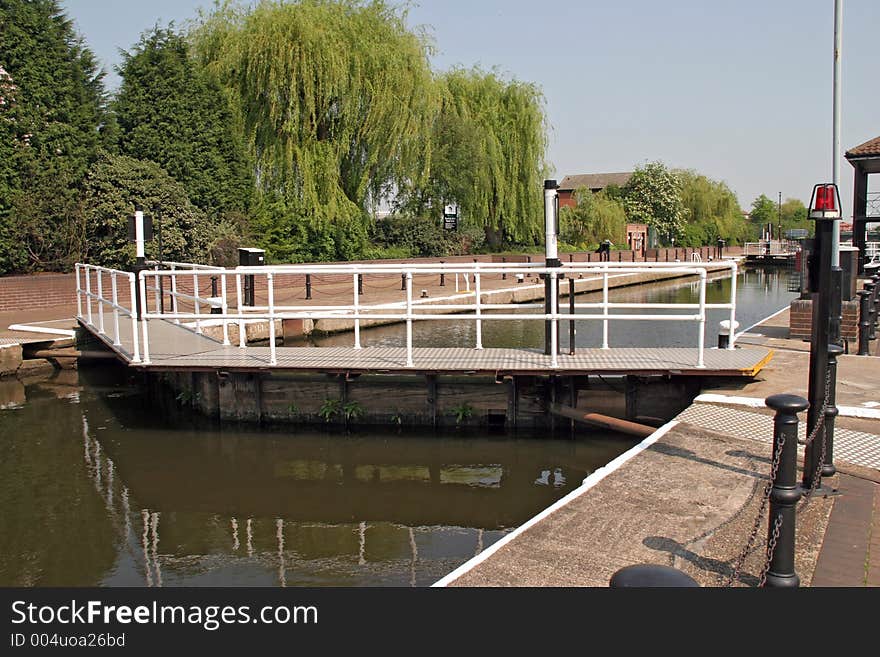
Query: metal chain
[[771, 548], [820, 427], [765, 498]]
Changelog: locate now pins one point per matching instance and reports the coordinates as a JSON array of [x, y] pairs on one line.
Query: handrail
[[85, 297], [409, 310]]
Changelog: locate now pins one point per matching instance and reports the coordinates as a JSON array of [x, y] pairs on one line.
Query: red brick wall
[[800, 319], [38, 291]]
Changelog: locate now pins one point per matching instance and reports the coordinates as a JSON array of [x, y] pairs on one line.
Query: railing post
[[79, 310], [224, 308], [733, 324], [785, 492], [144, 331], [701, 338], [479, 321], [572, 331], [196, 302], [174, 304], [357, 311], [89, 297], [409, 318], [554, 323], [116, 341], [132, 289], [242, 337], [271, 290], [605, 307], [864, 322], [100, 302], [308, 287]]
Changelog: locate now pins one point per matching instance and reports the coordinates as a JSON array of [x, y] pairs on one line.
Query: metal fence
[[225, 305]]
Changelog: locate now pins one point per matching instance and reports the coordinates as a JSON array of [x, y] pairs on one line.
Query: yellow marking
[[760, 365]]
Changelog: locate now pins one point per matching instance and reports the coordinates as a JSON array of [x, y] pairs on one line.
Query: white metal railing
[[872, 251], [769, 248], [85, 297], [463, 306]]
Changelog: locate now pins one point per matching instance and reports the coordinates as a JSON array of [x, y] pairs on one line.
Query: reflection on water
[[760, 292], [95, 490]]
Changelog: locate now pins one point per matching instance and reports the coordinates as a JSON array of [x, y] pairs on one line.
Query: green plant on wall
[[397, 419], [329, 409], [187, 396], [462, 412], [293, 410], [352, 411]]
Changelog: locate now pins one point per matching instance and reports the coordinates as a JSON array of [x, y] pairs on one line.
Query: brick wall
[[38, 291], [800, 319]]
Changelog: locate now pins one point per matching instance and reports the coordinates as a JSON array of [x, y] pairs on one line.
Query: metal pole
[[785, 493], [308, 287], [409, 318], [357, 311], [818, 348], [478, 312], [551, 207], [835, 147]]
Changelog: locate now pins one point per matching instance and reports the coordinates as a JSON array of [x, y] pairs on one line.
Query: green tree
[[174, 112], [114, 185], [487, 154], [795, 215], [596, 217], [711, 211], [764, 212], [55, 122], [335, 98], [653, 196]]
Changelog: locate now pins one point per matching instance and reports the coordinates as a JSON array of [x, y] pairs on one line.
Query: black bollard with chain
[[864, 322], [785, 493], [831, 411], [871, 287]]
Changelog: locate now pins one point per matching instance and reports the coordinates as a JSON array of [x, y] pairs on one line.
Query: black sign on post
[[148, 228], [450, 217]]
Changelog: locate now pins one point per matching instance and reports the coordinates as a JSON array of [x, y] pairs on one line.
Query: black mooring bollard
[[872, 288], [645, 575], [308, 286], [864, 322], [360, 284], [831, 411], [785, 493], [403, 281], [504, 273]]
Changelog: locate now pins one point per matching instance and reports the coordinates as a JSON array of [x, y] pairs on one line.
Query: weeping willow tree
[[502, 131], [335, 100]]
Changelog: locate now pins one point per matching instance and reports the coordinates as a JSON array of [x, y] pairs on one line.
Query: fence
[[226, 304]]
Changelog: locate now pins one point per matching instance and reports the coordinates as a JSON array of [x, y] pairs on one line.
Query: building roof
[[870, 148], [595, 180]]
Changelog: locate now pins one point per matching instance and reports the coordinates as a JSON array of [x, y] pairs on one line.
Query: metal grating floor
[[851, 446]]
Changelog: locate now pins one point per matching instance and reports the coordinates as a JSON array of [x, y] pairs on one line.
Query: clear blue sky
[[740, 90]]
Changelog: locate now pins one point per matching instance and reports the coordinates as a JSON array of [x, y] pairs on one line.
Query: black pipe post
[[864, 322], [403, 281], [360, 284], [572, 331], [308, 287], [821, 302], [831, 411], [551, 201], [784, 494], [442, 277]]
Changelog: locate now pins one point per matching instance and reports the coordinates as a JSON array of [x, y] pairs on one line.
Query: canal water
[[98, 490]]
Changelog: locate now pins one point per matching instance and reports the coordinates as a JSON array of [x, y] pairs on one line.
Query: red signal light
[[825, 202]]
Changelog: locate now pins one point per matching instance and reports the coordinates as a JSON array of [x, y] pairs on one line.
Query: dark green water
[[97, 489]]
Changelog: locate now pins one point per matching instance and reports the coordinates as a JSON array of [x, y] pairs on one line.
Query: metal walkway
[[174, 346]]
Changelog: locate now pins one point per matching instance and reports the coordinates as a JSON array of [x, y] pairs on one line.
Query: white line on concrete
[[42, 329], [760, 321], [587, 484], [752, 402]]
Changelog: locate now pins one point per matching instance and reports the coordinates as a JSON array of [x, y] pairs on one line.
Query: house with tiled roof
[[595, 182]]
